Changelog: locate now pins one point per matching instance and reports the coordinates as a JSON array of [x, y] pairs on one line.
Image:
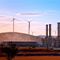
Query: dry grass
[[33, 58]]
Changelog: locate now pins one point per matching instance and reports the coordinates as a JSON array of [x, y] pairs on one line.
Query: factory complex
[[26, 40], [48, 40], [20, 39]]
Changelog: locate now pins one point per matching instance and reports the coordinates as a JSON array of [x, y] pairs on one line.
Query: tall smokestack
[[49, 30], [58, 29], [46, 30]]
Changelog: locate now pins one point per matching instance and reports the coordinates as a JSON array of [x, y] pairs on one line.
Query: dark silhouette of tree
[[10, 51]]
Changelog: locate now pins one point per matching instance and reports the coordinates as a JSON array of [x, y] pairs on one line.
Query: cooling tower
[[49, 30], [58, 29], [46, 30]]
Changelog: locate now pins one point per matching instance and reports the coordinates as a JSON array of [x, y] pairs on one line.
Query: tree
[[10, 51]]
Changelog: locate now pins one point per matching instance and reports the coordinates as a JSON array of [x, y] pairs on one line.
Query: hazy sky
[[41, 11]]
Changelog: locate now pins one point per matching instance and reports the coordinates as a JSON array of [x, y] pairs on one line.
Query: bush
[[10, 51]]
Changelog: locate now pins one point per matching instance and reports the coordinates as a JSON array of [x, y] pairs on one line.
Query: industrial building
[[20, 39], [21, 44]]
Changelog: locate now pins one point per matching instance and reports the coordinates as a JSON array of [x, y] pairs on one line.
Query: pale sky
[[41, 11]]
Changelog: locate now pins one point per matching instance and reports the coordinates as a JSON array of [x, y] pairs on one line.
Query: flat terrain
[[33, 58]]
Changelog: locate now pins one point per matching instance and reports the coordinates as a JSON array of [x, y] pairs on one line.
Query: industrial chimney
[[49, 30], [58, 29], [46, 31]]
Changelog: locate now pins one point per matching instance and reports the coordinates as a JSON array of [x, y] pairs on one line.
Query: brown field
[[34, 48], [33, 58]]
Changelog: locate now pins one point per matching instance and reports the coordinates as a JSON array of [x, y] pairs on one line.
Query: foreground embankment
[[33, 58]]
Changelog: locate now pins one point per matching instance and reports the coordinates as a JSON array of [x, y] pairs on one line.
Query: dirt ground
[[33, 58]]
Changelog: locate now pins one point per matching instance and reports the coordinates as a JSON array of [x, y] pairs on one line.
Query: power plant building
[[49, 40], [20, 39]]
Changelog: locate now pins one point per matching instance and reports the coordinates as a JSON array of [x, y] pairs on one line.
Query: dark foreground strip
[[37, 54], [33, 55]]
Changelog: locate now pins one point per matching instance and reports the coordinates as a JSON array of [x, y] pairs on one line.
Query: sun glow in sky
[[41, 11]]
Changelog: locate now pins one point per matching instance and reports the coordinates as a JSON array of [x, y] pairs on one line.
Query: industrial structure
[[20, 44], [49, 40], [20, 39]]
